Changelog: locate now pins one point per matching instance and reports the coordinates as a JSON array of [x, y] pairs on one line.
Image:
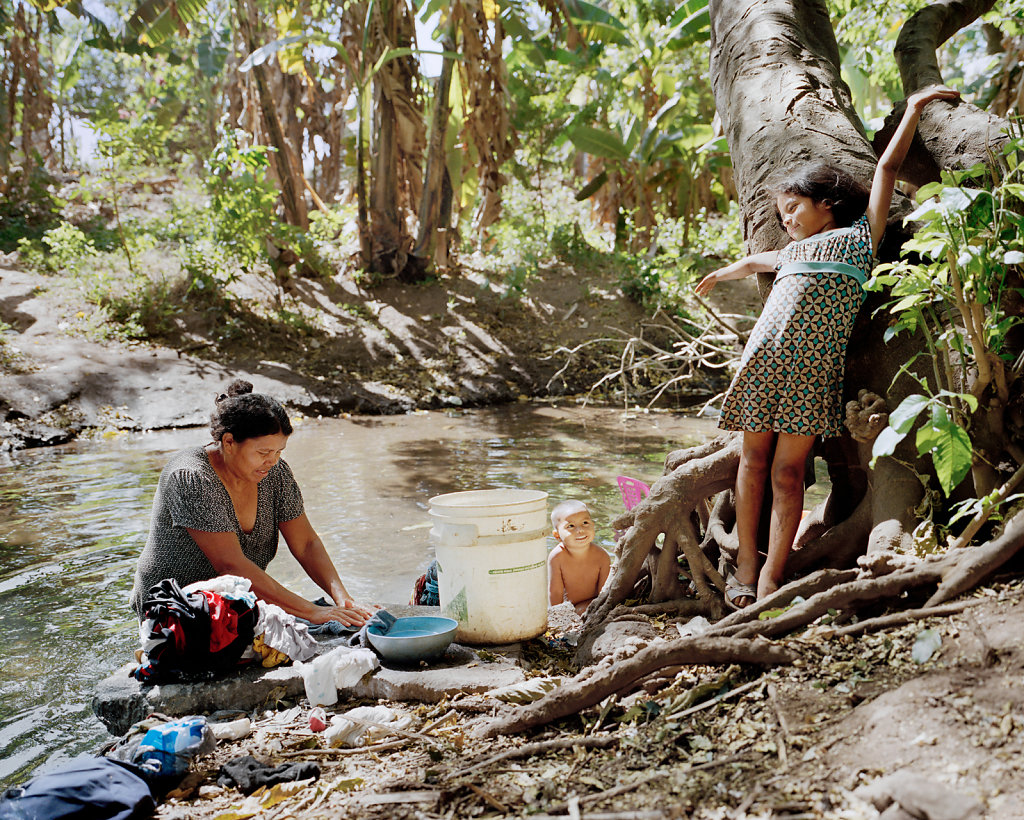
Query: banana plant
[[651, 159]]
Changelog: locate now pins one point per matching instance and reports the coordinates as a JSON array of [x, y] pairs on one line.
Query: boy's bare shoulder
[[601, 555]]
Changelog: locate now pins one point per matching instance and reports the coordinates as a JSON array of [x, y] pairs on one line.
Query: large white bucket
[[491, 548]]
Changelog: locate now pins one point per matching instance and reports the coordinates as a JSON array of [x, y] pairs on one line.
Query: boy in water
[[577, 567]]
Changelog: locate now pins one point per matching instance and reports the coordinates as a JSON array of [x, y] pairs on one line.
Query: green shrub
[[63, 249], [29, 208], [242, 199]]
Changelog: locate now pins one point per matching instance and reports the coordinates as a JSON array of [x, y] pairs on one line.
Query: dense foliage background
[[383, 139]]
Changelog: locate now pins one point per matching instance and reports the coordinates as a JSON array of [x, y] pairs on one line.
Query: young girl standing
[[789, 385]]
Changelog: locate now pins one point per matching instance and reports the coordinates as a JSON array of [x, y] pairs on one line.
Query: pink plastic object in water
[[633, 491]]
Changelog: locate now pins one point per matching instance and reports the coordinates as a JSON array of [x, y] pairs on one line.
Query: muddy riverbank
[[325, 347]]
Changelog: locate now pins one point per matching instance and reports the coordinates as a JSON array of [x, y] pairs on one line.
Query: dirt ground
[[855, 728]]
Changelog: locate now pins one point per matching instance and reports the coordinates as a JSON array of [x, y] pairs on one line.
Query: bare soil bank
[[322, 346]]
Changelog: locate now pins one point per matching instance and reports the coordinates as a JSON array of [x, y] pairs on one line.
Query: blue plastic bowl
[[417, 638]]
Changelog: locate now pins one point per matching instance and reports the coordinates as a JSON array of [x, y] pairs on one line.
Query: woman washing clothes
[[219, 510], [788, 388]]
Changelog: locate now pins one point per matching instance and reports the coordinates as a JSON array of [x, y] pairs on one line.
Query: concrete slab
[[120, 700]]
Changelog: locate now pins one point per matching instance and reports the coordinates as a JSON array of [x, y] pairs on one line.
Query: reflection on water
[[73, 519]]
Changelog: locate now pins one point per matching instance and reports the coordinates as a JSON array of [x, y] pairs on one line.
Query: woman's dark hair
[[847, 196], [246, 415]]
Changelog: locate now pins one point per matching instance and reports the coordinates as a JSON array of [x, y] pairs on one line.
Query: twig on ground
[[341, 751], [773, 698], [441, 720], [613, 792], [707, 704], [489, 799], [900, 618], [542, 747]]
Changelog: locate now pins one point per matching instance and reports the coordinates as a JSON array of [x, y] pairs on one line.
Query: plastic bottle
[[170, 747]]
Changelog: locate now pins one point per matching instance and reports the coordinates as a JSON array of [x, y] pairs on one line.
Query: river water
[[73, 520]]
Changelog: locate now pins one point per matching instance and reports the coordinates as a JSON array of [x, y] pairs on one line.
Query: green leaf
[[949, 446], [598, 143], [951, 201], [211, 55], [885, 444], [592, 187], [967, 398], [595, 24], [908, 302], [691, 24], [718, 145], [687, 10], [902, 418]]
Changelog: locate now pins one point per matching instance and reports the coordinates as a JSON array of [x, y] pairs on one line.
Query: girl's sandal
[[735, 592]]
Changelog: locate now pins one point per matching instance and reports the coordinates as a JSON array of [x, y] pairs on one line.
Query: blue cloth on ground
[[87, 788], [429, 595], [382, 619]]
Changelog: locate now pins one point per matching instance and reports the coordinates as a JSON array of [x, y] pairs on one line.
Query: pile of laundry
[[194, 633]]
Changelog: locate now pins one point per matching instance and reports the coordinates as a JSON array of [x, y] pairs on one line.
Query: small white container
[[232, 729]]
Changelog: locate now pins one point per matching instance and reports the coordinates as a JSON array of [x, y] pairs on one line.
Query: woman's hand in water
[[919, 99], [348, 613]]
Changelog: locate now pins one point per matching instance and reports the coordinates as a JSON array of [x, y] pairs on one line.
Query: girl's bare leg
[[787, 506], [750, 484]]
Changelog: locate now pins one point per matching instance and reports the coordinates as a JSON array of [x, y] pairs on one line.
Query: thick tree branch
[[593, 685], [949, 136], [919, 40]]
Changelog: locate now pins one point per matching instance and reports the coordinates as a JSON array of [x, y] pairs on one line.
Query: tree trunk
[[284, 160], [775, 76], [948, 137], [396, 147], [432, 237], [782, 102], [778, 90]]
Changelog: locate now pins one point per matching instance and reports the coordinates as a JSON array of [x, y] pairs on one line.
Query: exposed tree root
[[741, 636], [685, 607], [905, 617], [681, 502], [974, 564], [691, 476], [596, 683], [837, 546]]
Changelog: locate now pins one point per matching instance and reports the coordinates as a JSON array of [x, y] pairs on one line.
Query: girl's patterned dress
[[790, 378]]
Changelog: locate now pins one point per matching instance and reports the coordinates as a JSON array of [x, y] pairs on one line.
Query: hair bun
[[239, 387]]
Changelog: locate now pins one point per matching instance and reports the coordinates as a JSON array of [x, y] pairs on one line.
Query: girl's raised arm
[[756, 263], [894, 154]]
